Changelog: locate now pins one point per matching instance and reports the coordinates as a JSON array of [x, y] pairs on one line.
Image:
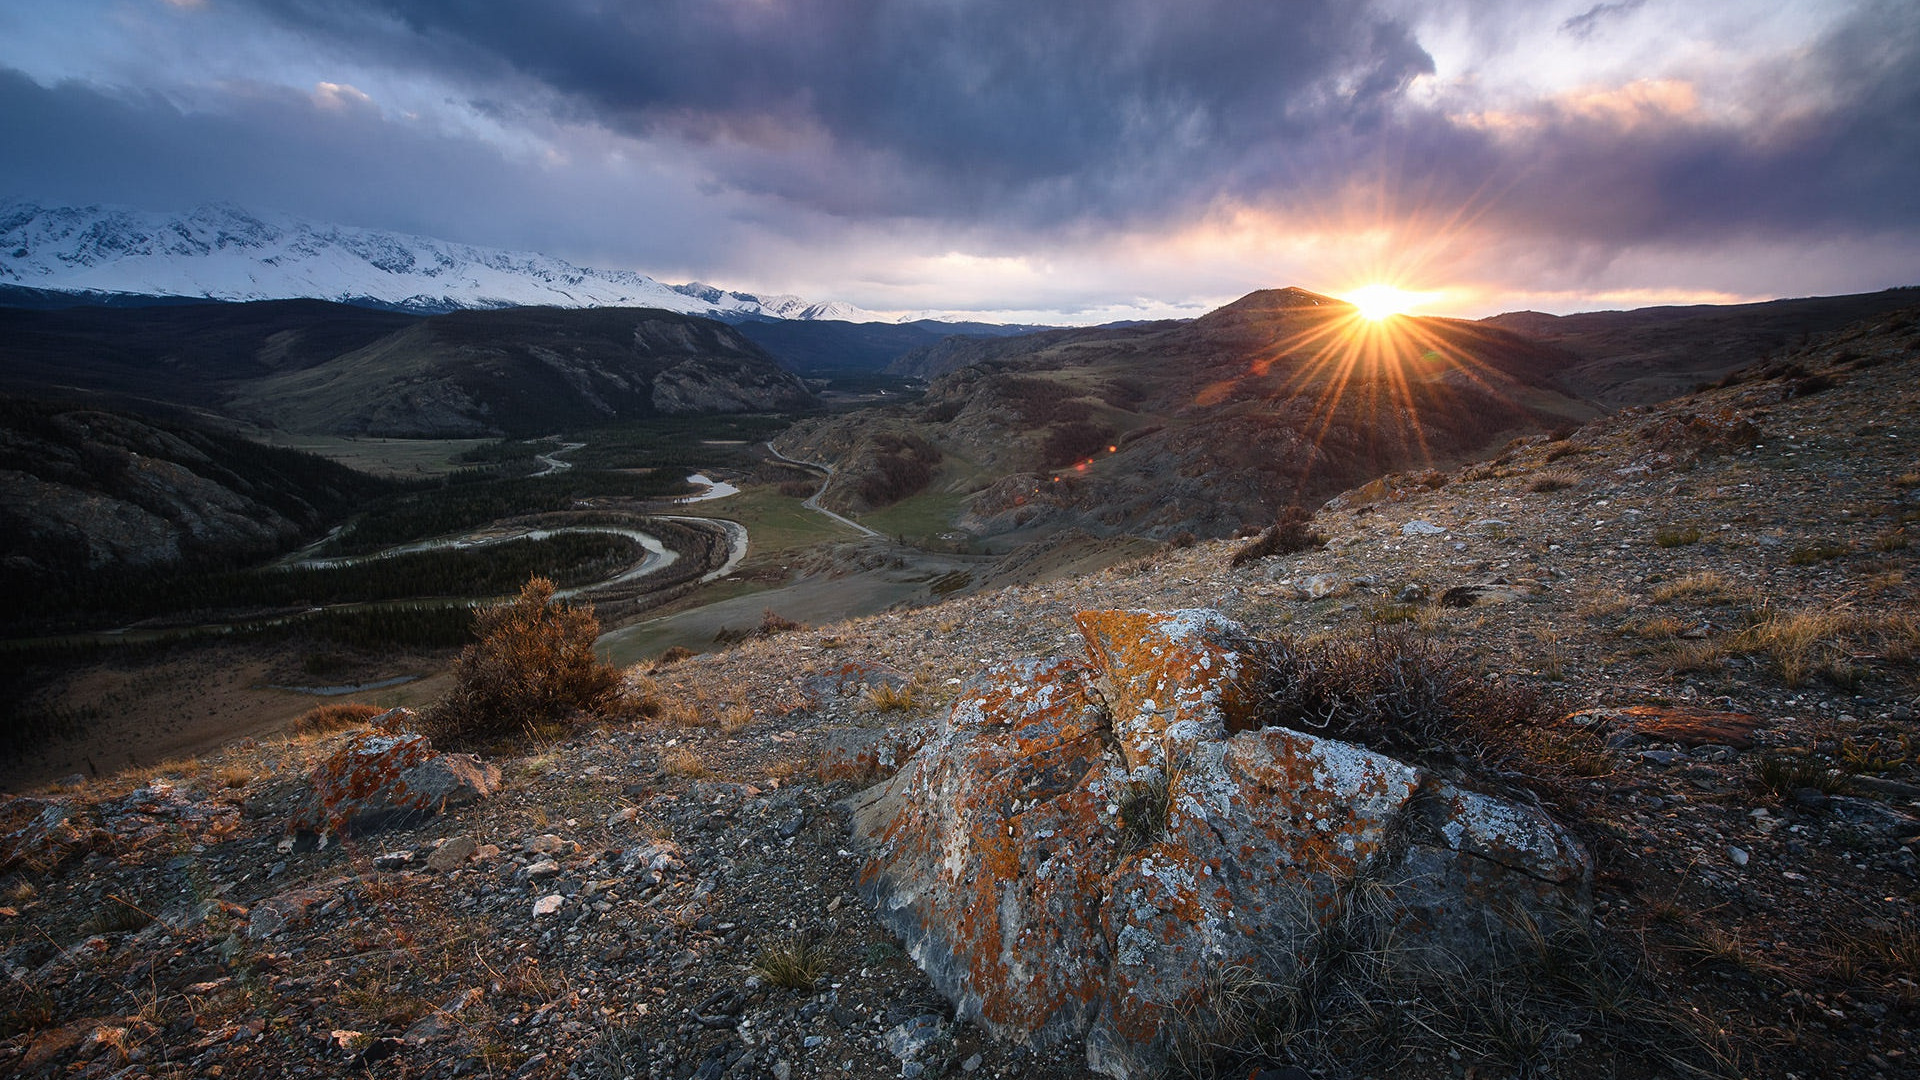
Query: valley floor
[[1734, 566]]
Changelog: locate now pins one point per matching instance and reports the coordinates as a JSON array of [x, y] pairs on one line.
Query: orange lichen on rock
[[1173, 680], [997, 852], [375, 777]]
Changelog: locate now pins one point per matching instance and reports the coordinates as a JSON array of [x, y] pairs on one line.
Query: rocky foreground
[[1715, 596]]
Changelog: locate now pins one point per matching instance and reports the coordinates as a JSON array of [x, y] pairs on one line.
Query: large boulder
[[1088, 849], [377, 779]]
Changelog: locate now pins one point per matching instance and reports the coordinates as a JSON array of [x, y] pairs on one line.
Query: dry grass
[[1703, 586], [1143, 814], [1891, 540], [735, 719], [1604, 605], [682, 762], [327, 719], [1675, 536], [1780, 775], [1553, 480], [795, 962], [884, 697], [1808, 554], [1827, 642]]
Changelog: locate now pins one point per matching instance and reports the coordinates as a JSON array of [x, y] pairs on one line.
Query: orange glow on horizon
[[1382, 301]]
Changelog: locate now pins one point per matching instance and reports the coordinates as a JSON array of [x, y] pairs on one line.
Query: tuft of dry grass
[[1780, 775], [327, 719], [1705, 585], [884, 697], [1808, 554], [1891, 540], [1672, 536], [115, 915], [1553, 480], [793, 962], [682, 762], [1824, 643]]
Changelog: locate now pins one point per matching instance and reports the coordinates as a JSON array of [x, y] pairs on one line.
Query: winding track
[[814, 502]]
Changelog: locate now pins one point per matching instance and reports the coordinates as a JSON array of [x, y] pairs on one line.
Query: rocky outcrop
[[376, 779], [1087, 848]]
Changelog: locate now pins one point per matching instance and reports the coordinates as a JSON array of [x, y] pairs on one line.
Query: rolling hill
[[316, 367], [1205, 426]]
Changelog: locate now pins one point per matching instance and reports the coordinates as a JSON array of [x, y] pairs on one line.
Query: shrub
[[1288, 536], [1392, 690], [533, 666], [323, 719]]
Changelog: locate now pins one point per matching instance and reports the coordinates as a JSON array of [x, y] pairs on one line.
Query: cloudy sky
[[1067, 160]]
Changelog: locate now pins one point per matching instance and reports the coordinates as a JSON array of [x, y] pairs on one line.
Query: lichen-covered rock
[[1086, 849], [375, 779]]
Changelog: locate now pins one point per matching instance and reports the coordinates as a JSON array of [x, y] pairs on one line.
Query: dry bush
[[1393, 690], [673, 656], [326, 719], [1292, 534], [534, 666]]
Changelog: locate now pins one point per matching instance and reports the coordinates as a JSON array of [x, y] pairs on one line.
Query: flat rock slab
[[1677, 724]]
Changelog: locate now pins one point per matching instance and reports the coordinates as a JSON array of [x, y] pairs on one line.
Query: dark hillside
[[83, 490], [1650, 354]]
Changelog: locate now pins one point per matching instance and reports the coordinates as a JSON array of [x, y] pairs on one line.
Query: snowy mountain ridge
[[223, 252]]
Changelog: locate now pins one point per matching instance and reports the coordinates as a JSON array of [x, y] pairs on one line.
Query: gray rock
[[1016, 805], [1421, 528], [910, 1038], [1414, 593], [453, 854]]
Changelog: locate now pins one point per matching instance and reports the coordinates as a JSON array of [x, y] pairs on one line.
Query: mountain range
[[223, 252]]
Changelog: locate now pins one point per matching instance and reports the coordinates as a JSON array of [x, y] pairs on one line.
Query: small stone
[[547, 905], [812, 1042], [972, 1064], [545, 844], [1412, 594], [392, 860], [622, 816], [782, 1070], [1421, 528], [911, 1070], [1738, 855], [543, 868], [452, 855]]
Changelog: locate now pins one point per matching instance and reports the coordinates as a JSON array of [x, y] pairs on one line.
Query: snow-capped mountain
[[222, 252]]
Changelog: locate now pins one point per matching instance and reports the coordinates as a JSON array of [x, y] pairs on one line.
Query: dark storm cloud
[[1050, 109], [1840, 160], [334, 159]]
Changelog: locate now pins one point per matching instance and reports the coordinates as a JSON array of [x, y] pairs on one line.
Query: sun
[[1377, 302]]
